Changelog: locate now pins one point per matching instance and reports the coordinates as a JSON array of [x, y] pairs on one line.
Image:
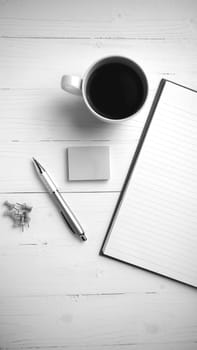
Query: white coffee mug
[[114, 88]]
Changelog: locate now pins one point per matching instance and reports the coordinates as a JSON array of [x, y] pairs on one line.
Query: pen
[[64, 209]]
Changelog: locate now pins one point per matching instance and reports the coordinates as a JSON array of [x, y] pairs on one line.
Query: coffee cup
[[114, 88]]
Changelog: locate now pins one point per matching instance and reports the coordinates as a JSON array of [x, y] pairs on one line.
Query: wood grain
[[50, 115], [78, 322], [47, 259], [40, 63], [18, 173], [118, 19], [56, 293]]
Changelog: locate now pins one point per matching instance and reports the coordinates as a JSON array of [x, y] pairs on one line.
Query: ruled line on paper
[[157, 223]]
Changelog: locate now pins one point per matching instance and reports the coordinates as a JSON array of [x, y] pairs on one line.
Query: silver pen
[[64, 209]]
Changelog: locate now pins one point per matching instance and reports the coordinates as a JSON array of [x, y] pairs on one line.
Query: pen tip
[[83, 237], [38, 165]]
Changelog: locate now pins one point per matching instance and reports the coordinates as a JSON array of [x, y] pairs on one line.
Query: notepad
[[88, 163], [154, 225]]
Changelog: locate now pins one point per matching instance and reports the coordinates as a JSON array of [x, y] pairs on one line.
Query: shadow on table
[[73, 112]]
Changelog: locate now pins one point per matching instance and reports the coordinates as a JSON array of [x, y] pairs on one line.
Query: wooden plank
[[18, 174], [99, 322], [31, 63], [47, 259], [52, 115], [56, 292], [118, 19]]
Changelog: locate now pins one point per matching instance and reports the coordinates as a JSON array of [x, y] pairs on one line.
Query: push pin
[[19, 213]]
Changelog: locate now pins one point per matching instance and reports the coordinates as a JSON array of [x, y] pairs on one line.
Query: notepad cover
[[154, 225]]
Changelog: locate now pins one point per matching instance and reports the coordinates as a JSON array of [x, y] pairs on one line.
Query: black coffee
[[116, 90]]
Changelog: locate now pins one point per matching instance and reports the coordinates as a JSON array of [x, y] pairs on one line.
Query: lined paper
[[156, 225]]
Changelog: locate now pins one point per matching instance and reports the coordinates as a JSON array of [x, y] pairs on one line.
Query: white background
[[56, 292]]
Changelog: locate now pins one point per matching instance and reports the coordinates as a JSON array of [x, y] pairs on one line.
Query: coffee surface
[[115, 90]]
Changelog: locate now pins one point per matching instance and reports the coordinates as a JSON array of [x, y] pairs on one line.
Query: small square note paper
[[88, 163]]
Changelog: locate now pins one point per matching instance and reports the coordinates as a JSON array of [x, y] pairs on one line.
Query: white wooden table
[[55, 292]]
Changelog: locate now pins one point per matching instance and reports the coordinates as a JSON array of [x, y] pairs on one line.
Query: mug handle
[[72, 84]]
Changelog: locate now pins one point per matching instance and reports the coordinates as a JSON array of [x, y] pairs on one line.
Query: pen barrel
[[67, 213], [63, 207]]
